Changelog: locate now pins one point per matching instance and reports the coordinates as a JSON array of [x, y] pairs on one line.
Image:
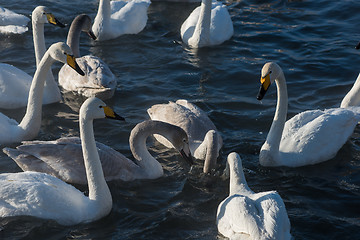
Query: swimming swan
[[52, 157], [248, 215], [44, 196], [204, 139], [11, 22], [209, 24], [15, 83], [116, 18], [309, 137], [10, 130], [98, 81]]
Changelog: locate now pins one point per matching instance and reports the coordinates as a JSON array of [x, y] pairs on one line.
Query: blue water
[[313, 41]]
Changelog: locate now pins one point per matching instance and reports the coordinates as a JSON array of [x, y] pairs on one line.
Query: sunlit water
[[313, 41]]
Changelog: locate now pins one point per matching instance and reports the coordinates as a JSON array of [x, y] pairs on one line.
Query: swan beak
[[109, 113], [188, 158], [72, 63], [91, 34], [265, 84], [357, 46], [51, 19]]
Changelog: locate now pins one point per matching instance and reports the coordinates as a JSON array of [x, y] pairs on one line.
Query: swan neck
[[238, 182], [202, 28], [32, 119], [274, 137], [73, 38], [352, 98], [103, 14], [39, 41], [212, 151], [98, 189]]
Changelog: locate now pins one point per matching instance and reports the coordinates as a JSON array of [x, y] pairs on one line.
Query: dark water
[[314, 43]]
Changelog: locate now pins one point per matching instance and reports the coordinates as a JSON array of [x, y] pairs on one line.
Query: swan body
[[248, 215], [204, 139], [11, 22], [98, 80], [52, 157], [15, 83], [44, 196], [117, 18], [28, 128], [309, 137], [208, 25]]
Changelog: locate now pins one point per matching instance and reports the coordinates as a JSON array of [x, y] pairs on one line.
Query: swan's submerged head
[[269, 73], [43, 15], [94, 108], [62, 52]]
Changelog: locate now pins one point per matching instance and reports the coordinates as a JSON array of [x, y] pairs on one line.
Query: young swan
[[248, 215], [309, 137], [98, 81], [28, 128], [44, 196], [52, 157]]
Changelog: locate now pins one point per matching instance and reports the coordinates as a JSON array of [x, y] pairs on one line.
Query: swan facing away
[[121, 17], [98, 81], [10, 130], [44, 196], [11, 22], [309, 137], [204, 139], [208, 25], [52, 157], [15, 83], [248, 215]]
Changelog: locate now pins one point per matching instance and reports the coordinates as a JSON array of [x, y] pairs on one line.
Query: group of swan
[[44, 196]]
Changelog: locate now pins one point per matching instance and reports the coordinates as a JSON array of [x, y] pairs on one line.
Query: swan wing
[[14, 87], [221, 26], [129, 17], [98, 80], [238, 218], [63, 158], [11, 22], [315, 136], [44, 196]]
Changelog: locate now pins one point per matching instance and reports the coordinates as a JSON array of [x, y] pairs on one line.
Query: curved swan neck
[[73, 37], [32, 119], [352, 98], [139, 149], [98, 189], [274, 137], [238, 182], [202, 28]]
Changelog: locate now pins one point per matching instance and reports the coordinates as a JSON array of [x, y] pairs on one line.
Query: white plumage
[[11, 22]]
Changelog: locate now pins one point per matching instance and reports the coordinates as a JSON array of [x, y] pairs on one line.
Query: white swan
[[116, 18], [248, 215], [309, 137], [11, 22], [44, 196], [15, 83], [52, 157], [10, 130], [204, 139], [98, 81], [209, 24]]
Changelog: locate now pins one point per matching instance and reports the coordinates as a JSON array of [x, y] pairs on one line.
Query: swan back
[[11, 22]]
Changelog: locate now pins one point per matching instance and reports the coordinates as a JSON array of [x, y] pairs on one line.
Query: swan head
[[43, 15], [94, 108], [85, 22], [62, 52], [269, 73]]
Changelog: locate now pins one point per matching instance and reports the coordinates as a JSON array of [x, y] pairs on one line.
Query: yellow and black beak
[[109, 113], [51, 19], [70, 60], [265, 84], [91, 34]]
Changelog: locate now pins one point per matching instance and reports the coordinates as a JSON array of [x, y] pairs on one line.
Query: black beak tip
[[357, 46]]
